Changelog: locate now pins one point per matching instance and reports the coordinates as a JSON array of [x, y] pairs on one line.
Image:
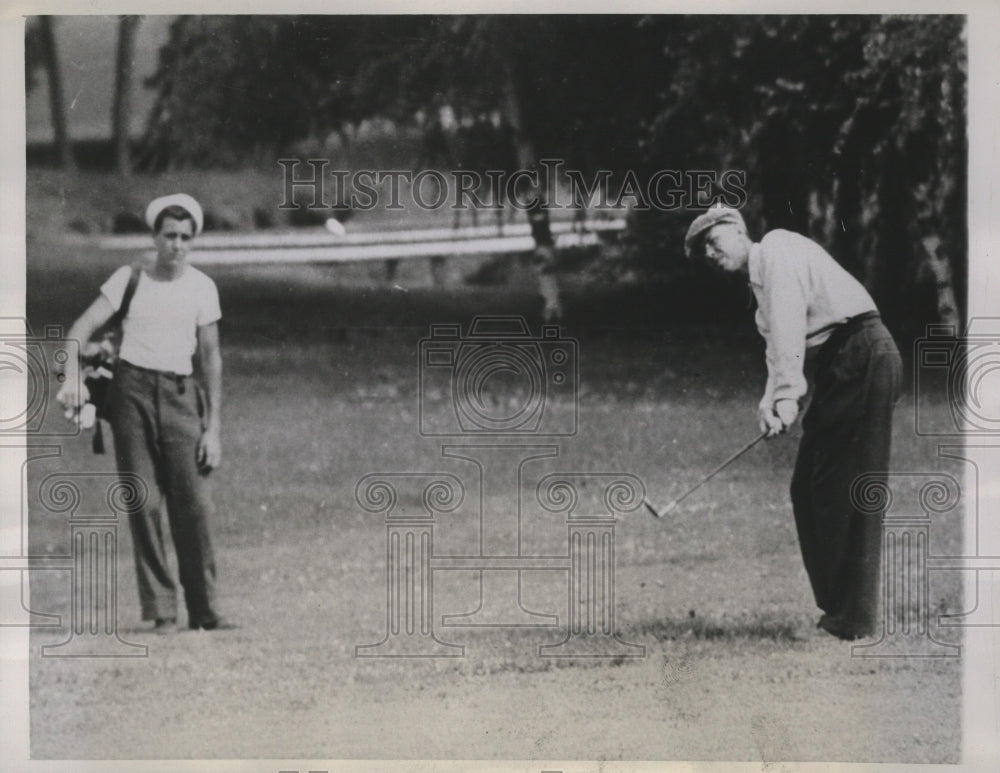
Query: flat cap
[[182, 200], [707, 220]]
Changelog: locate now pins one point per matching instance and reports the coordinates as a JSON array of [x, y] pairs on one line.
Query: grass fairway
[[320, 390]]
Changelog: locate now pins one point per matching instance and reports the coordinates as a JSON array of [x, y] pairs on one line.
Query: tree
[[121, 112], [45, 43], [555, 80], [914, 72], [34, 53], [232, 89], [848, 128], [860, 143]]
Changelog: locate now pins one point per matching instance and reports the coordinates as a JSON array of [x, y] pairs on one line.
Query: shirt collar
[[753, 264]]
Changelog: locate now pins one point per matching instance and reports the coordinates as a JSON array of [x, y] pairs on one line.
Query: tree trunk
[[121, 114], [939, 267], [512, 110], [57, 101]]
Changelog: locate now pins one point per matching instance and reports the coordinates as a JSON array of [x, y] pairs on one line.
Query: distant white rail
[[319, 246]]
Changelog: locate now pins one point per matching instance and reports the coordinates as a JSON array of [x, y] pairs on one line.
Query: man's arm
[[210, 358], [786, 289], [767, 420], [73, 393]]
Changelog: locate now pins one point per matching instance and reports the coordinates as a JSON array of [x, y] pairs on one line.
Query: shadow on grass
[[725, 629]]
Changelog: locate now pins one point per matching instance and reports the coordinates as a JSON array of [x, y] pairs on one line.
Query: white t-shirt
[[160, 330]]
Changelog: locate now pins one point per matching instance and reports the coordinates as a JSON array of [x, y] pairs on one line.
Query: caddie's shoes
[[164, 626], [218, 624], [840, 629]]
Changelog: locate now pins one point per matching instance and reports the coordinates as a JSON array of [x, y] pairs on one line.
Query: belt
[[856, 320], [842, 330], [178, 378], [854, 324]]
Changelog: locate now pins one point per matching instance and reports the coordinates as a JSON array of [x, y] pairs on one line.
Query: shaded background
[[851, 129]]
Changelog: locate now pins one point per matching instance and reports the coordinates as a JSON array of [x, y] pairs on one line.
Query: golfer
[[165, 430], [808, 306]]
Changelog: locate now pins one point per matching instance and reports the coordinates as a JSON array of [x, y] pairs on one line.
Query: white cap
[[182, 200]]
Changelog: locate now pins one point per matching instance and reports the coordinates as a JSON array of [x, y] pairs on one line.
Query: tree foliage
[[236, 89], [848, 128], [231, 85]]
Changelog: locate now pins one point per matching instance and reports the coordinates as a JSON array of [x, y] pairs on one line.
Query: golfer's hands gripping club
[[776, 420]]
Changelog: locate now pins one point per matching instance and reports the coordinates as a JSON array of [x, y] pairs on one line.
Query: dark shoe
[[164, 626], [218, 624], [840, 629]]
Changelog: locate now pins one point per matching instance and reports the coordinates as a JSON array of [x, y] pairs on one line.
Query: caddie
[[166, 429], [808, 306]]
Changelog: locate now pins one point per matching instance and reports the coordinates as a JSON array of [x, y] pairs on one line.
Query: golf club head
[[652, 510], [669, 508]]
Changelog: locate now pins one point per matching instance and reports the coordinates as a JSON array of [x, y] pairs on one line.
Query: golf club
[[663, 511]]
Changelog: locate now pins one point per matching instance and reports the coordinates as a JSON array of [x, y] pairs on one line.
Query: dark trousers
[[156, 425], [847, 431]]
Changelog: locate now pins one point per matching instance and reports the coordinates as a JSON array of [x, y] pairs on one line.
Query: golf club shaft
[[714, 472]]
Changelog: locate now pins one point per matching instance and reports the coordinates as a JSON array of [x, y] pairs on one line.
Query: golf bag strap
[[122, 312], [97, 442]]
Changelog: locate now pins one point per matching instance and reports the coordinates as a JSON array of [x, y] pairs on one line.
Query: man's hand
[[209, 449], [778, 419], [72, 395], [769, 421], [787, 411]]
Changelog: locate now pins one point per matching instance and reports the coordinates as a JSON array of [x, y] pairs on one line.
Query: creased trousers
[[155, 420], [847, 431]]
